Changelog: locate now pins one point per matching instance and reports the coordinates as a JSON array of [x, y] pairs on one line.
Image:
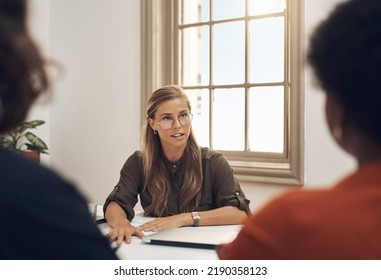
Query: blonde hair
[[156, 180]]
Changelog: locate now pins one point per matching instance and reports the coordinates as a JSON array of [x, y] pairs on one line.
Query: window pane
[[266, 119], [200, 109], [229, 53], [195, 56], [267, 50], [195, 11], [229, 119], [260, 7], [224, 9]]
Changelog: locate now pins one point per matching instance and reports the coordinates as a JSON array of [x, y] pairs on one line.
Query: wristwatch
[[196, 219]]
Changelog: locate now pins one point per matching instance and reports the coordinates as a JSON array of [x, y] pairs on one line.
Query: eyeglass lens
[[167, 122]]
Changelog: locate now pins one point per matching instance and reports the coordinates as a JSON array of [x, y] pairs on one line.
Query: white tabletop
[[138, 250]]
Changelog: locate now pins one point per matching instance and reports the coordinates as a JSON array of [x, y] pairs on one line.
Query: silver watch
[[196, 218]]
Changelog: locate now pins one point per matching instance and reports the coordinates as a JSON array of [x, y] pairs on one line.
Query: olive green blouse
[[219, 187]]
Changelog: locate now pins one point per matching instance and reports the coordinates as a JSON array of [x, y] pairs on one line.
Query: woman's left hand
[[163, 223]]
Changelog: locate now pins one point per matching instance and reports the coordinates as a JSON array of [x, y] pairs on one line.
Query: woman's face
[[170, 122]]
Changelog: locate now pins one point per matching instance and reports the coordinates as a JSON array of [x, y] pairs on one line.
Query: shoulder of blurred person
[[340, 222], [44, 216]]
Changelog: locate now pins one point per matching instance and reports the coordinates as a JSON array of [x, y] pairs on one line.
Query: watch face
[[195, 215], [196, 218]]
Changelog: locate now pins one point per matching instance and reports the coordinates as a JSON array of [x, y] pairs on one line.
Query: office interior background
[[93, 114]]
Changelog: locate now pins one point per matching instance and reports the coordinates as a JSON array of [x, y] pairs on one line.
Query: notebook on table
[[192, 237]]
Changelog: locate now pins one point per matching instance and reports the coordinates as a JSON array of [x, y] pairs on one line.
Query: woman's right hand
[[123, 230]]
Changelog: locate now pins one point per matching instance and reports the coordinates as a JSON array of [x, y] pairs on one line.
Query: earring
[[155, 131]]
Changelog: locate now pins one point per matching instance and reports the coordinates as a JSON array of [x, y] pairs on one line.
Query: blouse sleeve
[[126, 192], [226, 187]]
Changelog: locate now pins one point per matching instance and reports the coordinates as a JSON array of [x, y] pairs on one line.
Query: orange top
[[343, 222]]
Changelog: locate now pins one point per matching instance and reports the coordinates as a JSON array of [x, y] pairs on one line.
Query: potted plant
[[22, 140]]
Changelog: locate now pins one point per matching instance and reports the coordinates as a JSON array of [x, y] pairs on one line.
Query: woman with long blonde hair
[[178, 182]]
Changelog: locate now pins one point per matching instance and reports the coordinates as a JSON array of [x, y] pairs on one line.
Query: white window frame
[[159, 67]]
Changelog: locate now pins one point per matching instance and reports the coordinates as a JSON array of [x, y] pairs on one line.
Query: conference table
[[138, 250]]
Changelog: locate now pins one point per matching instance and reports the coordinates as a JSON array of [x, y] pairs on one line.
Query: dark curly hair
[[22, 74], [345, 55]]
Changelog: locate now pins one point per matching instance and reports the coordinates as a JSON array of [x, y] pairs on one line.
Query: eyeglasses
[[168, 121]]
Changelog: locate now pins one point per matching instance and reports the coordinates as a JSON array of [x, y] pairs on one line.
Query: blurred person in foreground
[[43, 216], [342, 222]]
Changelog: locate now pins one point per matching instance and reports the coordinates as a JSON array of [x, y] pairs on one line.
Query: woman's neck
[[364, 148], [174, 154]]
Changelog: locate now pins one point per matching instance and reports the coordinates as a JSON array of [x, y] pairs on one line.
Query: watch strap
[[196, 219]]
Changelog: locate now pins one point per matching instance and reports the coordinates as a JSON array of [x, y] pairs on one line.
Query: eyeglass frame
[[173, 121]]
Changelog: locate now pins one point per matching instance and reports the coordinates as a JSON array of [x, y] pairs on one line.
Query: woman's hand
[[159, 224], [123, 230]]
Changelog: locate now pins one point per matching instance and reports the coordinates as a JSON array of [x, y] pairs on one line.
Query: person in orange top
[[343, 222]]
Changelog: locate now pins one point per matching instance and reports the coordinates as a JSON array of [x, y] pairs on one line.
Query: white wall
[[94, 116], [96, 109]]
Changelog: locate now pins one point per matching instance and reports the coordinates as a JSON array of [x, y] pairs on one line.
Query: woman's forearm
[[222, 216], [114, 214]]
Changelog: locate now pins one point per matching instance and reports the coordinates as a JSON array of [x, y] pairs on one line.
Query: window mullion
[[211, 75], [247, 75], [287, 107]]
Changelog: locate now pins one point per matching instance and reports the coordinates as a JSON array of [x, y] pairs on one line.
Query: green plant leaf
[[32, 124], [16, 138], [36, 144], [27, 125], [30, 147], [5, 143]]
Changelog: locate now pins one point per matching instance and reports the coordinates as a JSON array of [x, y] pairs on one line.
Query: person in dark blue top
[[42, 215]]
